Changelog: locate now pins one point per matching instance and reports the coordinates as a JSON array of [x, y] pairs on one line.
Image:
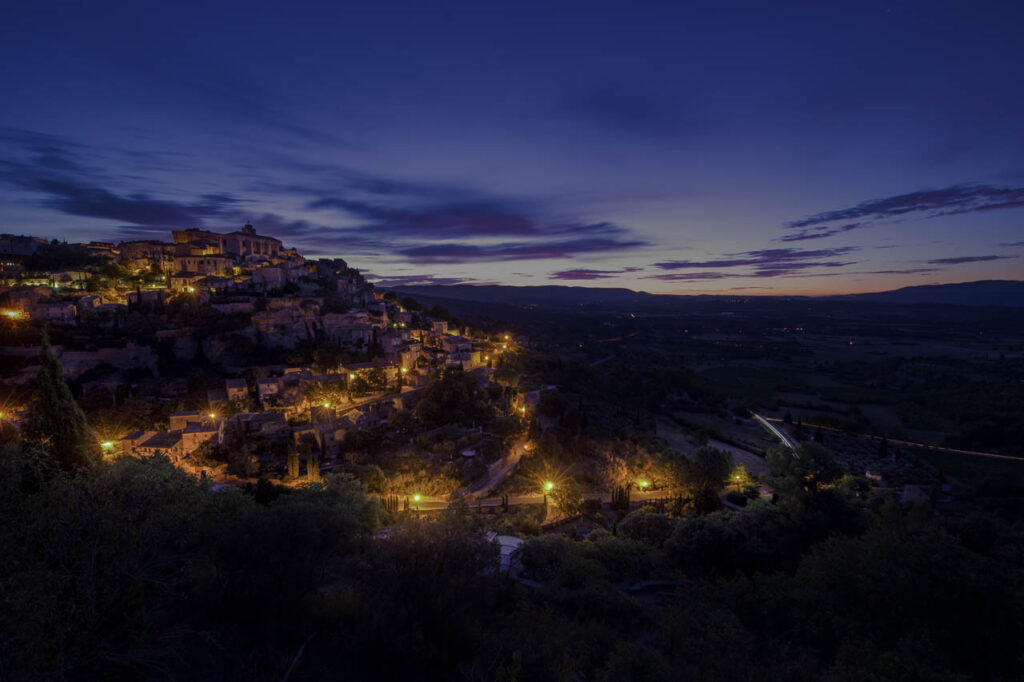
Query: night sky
[[716, 147]]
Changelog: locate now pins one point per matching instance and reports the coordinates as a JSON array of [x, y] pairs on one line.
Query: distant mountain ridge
[[1004, 293], [990, 292], [547, 295]]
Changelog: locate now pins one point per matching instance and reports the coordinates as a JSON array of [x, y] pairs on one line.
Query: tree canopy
[[54, 418]]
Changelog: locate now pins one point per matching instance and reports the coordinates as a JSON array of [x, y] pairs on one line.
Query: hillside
[[1008, 293]]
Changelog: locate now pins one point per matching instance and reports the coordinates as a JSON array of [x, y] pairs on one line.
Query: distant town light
[[351, 376], [190, 289], [12, 314], [522, 409]]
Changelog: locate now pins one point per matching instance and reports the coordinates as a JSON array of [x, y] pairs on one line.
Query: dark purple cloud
[[52, 167], [1012, 244], [439, 254], [907, 271], [413, 216], [417, 280], [957, 260], [954, 200], [768, 262], [690, 276], [820, 232], [587, 274], [464, 219]]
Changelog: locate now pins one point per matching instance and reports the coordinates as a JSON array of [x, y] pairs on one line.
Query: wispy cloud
[[955, 200], [417, 280], [820, 232], [1012, 244], [437, 254], [690, 276], [53, 168], [767, 262], [587, 274], [957, 260], [418, 222]]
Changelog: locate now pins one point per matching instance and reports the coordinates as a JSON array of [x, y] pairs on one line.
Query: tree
[[451, 397], [567, 496], [703, 475], [506, 378], [647, 526], [808, 466], [55, 418]]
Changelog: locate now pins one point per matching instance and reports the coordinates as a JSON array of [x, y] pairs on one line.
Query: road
[[910, 443], [786, 440], [498, 471], [439, 502]]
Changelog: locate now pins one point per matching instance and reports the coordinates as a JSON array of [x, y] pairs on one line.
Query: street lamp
[[643, 484], [548, 487]]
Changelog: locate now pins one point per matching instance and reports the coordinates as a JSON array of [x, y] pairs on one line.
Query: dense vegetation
[[134, 570]]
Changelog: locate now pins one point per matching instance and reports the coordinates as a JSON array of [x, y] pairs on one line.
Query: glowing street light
[[212, 415], [327, 404], [548, 487], [107, 444], [351, 377], [643, 484], [417, 498]]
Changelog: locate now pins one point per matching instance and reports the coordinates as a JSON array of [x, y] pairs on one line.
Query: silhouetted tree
[[55, 418]]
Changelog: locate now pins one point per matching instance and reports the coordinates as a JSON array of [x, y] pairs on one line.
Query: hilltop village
[[233, 355]]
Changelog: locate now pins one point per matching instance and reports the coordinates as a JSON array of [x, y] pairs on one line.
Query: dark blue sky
[[672, 147]]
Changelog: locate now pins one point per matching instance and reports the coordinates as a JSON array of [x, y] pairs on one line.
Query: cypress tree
[[55, 419]]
